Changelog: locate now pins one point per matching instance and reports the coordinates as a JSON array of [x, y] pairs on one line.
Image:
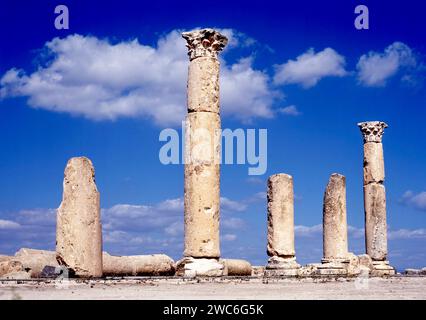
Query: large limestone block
[[280, 216], [335, 235], [236, 267], [374, 169], [35, 260], [202, 186], [139, 265], [10, 266], [199, 267], [4, 258], [203, 85], [78, 233], [375, 221]]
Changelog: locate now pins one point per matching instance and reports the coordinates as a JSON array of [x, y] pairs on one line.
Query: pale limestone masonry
[[202, 155], [280, 246], [335, 231], [237, 267], [78, 230], [375, 197], [34, 261], [139, 265], [335, 235]]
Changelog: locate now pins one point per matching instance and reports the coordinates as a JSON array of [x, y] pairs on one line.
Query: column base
[[279, 266], [382, 268], [199, 267], [332, 267]]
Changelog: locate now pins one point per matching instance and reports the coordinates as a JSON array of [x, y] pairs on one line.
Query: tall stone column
[[78, 229], [280, 247], [335, 231], [202, 156], [375, 196]]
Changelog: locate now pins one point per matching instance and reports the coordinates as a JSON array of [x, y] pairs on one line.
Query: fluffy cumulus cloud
[[416, 200], [375, 68], [311, 67], [97, 79]]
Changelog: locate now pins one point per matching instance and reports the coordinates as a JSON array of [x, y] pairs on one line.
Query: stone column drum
[[280, 246], [335, 230], [375, 197], [202, 156], [78, 230]]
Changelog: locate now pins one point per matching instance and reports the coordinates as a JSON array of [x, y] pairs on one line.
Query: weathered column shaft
[[375, 221], [78, 230], [280, 216], [374, 190], [202, 186], [202, 145], [203, 85], [280, 248], [335, 235]]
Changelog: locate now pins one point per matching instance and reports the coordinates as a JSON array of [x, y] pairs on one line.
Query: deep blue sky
[[36, 142]]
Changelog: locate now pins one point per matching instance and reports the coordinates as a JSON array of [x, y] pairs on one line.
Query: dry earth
[[400, 287]]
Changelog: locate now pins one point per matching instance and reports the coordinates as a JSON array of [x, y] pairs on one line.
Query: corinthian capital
[[372, 131], [204, 43]]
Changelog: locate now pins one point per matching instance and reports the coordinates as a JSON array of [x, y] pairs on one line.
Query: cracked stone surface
[[335, 233], [78, 230]]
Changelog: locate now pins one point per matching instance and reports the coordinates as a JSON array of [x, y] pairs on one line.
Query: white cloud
[[229, 237], [355, 232], [375, 68], [232, 223], [311, 67], [407, 234], [245, 92], [7, 224], [99, 80], [290, 111], [231, 205], [417, 201], [306, 231]]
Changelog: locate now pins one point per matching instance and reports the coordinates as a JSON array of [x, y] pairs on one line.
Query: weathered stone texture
[[203, 85], [280, 216], [205, 267], [374, 169], [236, 267], [375, 221], [204, 43], [139, 265], [78, 233], [35, 260], [335, 235]]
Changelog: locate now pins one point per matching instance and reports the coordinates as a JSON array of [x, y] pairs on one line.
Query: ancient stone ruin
[[280, 247], [375, 196], [202, 155], [78, 226], [79, 232]]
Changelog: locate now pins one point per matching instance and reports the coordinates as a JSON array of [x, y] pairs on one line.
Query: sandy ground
[[242, 288]]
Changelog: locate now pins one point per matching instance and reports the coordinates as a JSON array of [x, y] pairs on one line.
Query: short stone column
[[78, 229], [335, 231], [375, 197], [202, 156], [280, 246]]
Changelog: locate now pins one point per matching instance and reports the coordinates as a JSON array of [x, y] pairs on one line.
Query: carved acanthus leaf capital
[[372, 131], [204, 43]]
